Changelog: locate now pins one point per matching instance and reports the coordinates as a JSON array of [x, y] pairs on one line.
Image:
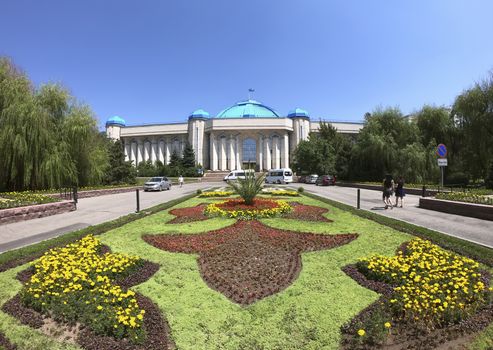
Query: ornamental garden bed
[[310, 277], [474, 210]]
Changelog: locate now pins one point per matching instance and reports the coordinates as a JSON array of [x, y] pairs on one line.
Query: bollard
[[359, 197], [423, 193], [138, 201]]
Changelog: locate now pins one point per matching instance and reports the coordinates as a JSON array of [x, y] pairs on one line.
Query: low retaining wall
[[97, 193], [8, 216], [479, 211], [415, 191]]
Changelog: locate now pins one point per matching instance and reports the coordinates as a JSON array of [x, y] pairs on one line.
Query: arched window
[[249, 151]]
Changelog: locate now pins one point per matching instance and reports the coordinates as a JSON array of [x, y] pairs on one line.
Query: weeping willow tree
[[47, 139]]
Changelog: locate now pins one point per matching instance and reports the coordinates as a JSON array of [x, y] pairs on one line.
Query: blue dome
[[298, 112], [116, 120], [248, 109], [199, 113]]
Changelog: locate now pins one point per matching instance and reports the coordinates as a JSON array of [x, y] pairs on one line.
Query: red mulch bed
[[188, 214], [307, 213], [239, 204], [156, 327], [248, 261], [5, 343]]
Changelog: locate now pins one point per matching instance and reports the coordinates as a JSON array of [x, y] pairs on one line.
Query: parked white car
[[157, 183], [279, 176], [236, 174]]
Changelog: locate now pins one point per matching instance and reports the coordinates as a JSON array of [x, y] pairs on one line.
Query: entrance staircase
[[214, 176]]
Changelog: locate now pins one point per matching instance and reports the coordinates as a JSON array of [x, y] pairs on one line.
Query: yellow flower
[[387, 325], [361, 332]]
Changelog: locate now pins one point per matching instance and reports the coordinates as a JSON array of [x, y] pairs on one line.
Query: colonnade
[[226, 153], [153, 149]]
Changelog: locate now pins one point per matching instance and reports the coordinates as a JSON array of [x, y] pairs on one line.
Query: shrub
[[249, 187], [199, 191], [301, 189]]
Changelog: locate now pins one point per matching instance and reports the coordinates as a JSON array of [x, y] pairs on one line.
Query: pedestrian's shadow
[[378, 208]]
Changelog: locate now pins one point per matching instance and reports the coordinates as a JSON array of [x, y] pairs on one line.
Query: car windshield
[[155, 179], [288, 173]]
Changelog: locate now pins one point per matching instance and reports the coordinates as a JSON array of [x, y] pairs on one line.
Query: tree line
[[391, 143]]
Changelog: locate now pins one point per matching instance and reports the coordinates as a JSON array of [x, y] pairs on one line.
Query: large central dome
[[248, 109]]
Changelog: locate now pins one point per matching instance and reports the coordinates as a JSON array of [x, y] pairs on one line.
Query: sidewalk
[[470, 229], [90, 211]]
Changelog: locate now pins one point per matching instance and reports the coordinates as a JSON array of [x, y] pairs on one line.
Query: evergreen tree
[[119, 171], [188, 160], [175, 160]]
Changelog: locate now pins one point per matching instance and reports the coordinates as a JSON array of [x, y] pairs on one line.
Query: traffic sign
[[442, 162], [442, 150]]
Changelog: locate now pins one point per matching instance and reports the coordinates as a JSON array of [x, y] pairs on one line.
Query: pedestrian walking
[[180, 180], [388, 190], [399, 191]]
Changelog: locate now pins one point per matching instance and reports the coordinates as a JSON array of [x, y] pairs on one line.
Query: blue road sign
[[442, 150]]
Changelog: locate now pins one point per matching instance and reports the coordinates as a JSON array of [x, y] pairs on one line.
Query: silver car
[[158, 183], [311, 179]]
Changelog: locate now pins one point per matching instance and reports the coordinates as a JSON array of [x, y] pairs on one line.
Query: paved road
[[90, 211], [471, 229]]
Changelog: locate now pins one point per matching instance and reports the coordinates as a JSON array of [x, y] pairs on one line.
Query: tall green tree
[[188, 160], [314, 155], [120, 171], [473, 112], [46, 138]]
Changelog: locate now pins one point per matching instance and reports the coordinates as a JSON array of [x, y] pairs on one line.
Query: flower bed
[[286, 193], [467, 197], [431, 291], [20, 199], [213, 194], [75, 284], [189, 214], [237, 209], [307, 213], [248, 260]]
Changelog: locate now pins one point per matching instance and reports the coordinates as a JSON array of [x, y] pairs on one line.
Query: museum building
[[247, 134]]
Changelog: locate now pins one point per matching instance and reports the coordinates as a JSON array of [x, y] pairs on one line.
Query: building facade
[[247, 134]]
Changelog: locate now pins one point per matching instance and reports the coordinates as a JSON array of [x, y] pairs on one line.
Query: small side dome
[[116, 120], [298, 112], [199, 113]]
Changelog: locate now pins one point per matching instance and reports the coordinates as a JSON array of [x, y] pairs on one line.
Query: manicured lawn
[[306, 315]]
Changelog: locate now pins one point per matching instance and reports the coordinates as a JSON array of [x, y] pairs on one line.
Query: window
[[249, 150]]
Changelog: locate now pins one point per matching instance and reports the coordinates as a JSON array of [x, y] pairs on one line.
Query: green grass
[[306, 315]]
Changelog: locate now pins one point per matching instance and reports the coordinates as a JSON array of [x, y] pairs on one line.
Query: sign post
[[442, 161]]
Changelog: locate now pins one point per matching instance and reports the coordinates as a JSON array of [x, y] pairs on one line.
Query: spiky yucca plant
[[249, 187]]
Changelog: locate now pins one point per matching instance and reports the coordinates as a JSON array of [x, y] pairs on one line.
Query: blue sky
[[157, 61]]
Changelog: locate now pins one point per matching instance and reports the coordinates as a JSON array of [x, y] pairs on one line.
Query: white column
[[168, 151], [126, 148], [275, 153], [285, 151], [133, 152], [154, 151], [260, 149], [213, 150], [140, 151], [238, 153], [223, 159], [232, 153], [267, 156], [161, 151]]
